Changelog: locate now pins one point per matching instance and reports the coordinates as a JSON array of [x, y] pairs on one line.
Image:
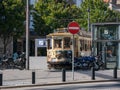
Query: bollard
[[115, 72], [63, 75], [93, 73], [33, 77], [1, 77]]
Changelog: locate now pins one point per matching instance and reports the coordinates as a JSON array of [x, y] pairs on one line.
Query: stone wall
[[38, 63]]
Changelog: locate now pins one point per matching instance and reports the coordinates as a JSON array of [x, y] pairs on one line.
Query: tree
[[51, 14], [12, 16], [99, 12]]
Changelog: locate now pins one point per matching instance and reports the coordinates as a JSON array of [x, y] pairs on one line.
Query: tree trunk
[[4, 46]]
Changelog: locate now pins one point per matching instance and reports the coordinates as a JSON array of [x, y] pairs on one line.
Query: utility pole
[[27, 34], [88, 10]]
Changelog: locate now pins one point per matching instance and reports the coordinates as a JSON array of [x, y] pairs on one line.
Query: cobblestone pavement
[[15, 77]]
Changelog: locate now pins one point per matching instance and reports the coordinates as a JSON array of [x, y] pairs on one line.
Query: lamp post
[[27, 34], [88, 19]]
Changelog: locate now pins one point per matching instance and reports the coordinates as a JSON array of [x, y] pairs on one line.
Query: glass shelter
[[106, 43]]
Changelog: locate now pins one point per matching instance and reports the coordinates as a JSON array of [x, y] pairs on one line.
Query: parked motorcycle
[[6, 62], [87, 62], [20, 62], [10, 63]]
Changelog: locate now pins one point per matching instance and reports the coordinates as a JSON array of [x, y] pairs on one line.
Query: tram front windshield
[[66, 43], [57, 43]]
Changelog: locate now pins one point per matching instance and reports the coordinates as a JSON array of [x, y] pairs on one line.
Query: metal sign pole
[[27, 34], [73, 28], [73, 57], [36, 47]]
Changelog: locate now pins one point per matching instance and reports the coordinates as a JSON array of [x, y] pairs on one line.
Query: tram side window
[[88, 45], [85, 47], [67, 42], [49, 44], [57, 43], [81, 45]]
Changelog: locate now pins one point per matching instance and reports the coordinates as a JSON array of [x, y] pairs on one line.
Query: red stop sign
[[73, 27]]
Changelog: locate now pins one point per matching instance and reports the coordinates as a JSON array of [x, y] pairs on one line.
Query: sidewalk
[[12, 78]]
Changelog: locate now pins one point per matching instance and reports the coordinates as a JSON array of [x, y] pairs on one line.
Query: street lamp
[[88, 19], [27, 34]]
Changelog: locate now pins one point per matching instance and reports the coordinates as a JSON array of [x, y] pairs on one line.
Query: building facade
[[113, 4]]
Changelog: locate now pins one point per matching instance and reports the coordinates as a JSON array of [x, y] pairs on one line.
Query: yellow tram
[[59, 47]]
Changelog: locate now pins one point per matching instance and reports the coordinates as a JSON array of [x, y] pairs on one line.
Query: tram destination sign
[[73, 27]]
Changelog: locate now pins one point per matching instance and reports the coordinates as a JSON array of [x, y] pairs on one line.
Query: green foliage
[[12, 16], [99, 12], [50, 14]]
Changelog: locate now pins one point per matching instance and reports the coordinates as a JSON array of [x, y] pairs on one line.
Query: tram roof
[[59, 34], [64, 32], [69, 34]]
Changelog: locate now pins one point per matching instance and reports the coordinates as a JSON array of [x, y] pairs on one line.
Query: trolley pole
[[73, 57]]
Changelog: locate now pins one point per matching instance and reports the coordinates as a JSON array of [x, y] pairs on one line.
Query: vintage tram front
[[59, 53], [59, 48]]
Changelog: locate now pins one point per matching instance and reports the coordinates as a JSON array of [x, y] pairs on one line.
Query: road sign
[[73, 27], [40, 42]]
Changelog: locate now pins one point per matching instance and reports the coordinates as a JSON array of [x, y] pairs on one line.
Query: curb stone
[[61, 83]]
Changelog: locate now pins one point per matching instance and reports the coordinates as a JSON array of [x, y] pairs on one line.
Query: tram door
[[109, 53]]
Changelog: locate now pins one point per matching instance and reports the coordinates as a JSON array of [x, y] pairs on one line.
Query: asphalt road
[[82, 86]]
